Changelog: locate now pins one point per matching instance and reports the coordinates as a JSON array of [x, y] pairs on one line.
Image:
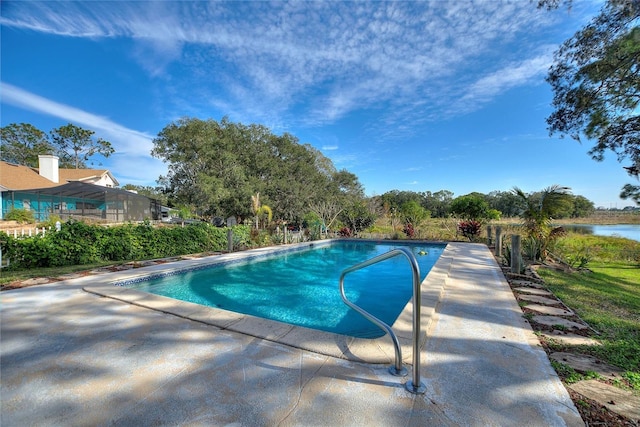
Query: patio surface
[[72, 357]]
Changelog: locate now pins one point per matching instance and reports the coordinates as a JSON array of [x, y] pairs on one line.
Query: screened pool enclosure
[[80, 200]]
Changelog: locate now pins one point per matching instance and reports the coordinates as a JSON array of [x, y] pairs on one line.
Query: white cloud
[[315, 62], [133, 148], [329, 147], [531, 70], [130, 142]]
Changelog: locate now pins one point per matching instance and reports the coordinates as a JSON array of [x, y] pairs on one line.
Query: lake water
[[630, 231]]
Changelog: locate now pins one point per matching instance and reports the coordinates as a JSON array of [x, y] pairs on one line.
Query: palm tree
[[260, 210], [538, 213], [265, 211], [255, 207]]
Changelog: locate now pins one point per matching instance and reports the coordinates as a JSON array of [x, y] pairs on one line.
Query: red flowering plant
[[470, 228], [409, 230], [344, 232]]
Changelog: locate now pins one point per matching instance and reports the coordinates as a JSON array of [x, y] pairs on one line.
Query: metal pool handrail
[[414, 385]]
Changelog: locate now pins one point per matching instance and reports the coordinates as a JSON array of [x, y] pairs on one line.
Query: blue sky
[[420, 96]]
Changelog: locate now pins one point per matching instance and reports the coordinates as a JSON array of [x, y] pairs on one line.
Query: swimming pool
[[301, 287]]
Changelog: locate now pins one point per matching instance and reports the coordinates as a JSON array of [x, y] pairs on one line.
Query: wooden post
[[489, 232], [515, 254], [229, 240], [498, 248]]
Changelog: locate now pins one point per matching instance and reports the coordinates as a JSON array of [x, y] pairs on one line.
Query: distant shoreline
[[599, 218]]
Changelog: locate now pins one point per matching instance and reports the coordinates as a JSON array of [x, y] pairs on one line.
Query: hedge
[[78, 243]]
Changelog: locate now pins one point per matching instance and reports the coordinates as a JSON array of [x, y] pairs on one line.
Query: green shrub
[[74, 244], [532, 248], [119, 243], [20, 215], [241, 237], [78, 243], [277, 238], [51, 221]]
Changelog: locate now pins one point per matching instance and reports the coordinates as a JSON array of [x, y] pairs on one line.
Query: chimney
[[49, 167]]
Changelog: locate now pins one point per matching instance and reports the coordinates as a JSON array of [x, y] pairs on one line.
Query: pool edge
[[378, 351]]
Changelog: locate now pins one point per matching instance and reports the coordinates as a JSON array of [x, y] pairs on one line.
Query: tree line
[[222, 169], [442, 204]]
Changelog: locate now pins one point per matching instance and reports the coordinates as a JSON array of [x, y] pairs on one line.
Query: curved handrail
[[414, 386]]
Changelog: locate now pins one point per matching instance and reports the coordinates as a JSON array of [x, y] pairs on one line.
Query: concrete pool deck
[[70, 357]]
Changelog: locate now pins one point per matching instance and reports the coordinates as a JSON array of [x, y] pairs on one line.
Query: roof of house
[[84, 174], [18, 177]]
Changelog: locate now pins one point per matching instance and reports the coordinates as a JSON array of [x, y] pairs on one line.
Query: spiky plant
[[538, 211]]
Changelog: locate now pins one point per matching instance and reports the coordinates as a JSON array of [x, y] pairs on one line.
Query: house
[[70, 193]]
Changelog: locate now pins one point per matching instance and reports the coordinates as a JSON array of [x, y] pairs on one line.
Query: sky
[[417, 96]]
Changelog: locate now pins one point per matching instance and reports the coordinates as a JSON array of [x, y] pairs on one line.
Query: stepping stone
[[539, 299], [583, 363], [527, 283], [555, 320], [533, 291], [35, 281], [621, 402], [554, 311], [70, 276], [148, 263], [570, 339]]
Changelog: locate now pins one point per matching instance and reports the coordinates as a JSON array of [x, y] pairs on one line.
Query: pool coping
[[378, 350]]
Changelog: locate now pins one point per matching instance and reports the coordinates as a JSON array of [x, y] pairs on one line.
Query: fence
[[25, 232], [28, 232]]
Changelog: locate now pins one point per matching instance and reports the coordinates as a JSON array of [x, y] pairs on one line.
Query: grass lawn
[[608, 299]]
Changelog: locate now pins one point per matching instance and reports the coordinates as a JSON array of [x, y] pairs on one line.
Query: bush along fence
[[77, 243]]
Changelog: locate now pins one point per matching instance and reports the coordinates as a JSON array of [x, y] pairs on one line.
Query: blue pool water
[[301, 287]]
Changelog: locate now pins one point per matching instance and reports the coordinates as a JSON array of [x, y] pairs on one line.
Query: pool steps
[[414, 385]]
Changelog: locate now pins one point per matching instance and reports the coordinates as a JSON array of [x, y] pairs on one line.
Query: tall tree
[[413, 213], [473, 206], [77, 145], [342, 188], [22, 143], [582, 207], [505, 202], [357, 216], [438, 203], [596, 83], [218, 166], [203, 170]]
